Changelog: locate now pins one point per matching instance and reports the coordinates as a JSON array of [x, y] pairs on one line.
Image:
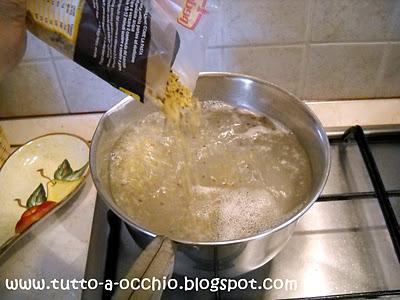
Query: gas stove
[[346, 246]]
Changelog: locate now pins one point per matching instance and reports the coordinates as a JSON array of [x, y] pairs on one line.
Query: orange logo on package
[[192, 12]]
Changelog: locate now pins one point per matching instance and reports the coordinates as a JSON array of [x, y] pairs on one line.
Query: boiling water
[[239, 175]]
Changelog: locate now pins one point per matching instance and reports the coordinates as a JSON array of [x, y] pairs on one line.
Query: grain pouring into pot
[[241, 174]]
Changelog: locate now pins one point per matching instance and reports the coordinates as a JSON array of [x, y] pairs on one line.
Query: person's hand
[[12, 34]]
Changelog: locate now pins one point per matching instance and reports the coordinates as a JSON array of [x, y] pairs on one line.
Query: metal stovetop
[[341, 246]]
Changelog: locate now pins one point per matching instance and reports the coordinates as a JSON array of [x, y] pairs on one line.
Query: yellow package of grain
[[131, 44]]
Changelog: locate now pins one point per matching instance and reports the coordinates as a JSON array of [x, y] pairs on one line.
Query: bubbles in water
[[240, 175]]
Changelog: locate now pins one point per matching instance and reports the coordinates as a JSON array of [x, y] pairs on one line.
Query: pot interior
[[238, 91]]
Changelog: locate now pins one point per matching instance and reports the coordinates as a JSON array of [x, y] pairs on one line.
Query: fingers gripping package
[[132, 44]]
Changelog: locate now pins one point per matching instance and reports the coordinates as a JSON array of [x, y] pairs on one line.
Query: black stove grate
[[357, 133], [353, 134]]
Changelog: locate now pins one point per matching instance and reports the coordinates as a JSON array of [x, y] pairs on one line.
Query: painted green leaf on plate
[[37, 197], [64, 172]]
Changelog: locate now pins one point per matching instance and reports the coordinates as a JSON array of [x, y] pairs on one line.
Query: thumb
[[13, 10]]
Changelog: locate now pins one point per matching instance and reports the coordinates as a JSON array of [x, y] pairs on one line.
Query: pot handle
[[156, 261]]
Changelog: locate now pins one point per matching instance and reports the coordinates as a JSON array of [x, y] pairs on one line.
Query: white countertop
[[58, 247]]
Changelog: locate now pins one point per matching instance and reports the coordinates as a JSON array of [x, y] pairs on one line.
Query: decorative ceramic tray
[[37, 179]]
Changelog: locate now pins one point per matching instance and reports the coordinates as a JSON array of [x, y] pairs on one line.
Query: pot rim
[[120, 213]]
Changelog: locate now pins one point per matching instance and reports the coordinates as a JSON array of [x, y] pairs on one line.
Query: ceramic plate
[[39, 177]]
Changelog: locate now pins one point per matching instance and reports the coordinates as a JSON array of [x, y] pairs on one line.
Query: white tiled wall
[[32, 89], [83, 90], [46, 83], [281, 63], [317, 49], [342, 70], [353, 20], [259, 22], [391, 73]]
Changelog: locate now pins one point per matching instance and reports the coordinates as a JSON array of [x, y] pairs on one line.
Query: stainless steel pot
[[229, 258]]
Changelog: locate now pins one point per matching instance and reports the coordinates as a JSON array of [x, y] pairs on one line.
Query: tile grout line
[[34, 60], [381, 69], [222, 61], [56, 58], [42, 59], [54, 55], [306, 50], [61, 85], [298, 44], [100, 112], [354, 100], [34, 41], [49, 50], [396, 12], [54, 115]]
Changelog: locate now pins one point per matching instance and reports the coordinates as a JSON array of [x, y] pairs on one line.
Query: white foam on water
[[240, 175]]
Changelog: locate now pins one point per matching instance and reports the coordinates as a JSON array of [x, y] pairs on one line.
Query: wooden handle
[[156, 261]]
